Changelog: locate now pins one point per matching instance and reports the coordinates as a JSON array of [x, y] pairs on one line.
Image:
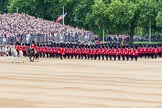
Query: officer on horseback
[[17, 47], [33, 46], [32, 52]]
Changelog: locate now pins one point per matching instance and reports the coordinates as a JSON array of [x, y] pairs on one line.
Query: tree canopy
[[130, 17]]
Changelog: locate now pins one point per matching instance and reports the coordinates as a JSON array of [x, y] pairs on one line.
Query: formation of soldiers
[[94, 52]]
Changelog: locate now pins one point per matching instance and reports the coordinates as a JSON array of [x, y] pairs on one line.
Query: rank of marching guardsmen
[[96, 52]]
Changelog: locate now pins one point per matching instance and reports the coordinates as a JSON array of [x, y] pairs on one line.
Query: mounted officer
[[17, 47], [33, 47]]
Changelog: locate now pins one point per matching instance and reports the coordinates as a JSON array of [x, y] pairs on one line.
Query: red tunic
[[70, 51], [117, 51], [17, 47], [90, 51], [38, 49], [75, 51], [47, 49], [126, 51], [41, 50], [61, 51], [130, 51], [108, 52], [24, 48], [135, 52], [33, 46]]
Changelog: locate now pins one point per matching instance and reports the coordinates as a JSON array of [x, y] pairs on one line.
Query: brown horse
[[33, 54]]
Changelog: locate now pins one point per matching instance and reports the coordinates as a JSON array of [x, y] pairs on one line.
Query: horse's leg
[[17, 59], [37, 57], [33, 57], [12, 58], [30, 58], [22, 57]]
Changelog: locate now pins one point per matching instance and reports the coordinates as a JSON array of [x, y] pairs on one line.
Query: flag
[[60, 18]]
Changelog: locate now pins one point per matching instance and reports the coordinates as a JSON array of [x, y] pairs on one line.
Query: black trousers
[[118, 57]]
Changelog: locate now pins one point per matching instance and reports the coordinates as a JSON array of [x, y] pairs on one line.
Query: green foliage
[[159, 19], [3, 6], [159, 15], [114, 16], [24, 6]]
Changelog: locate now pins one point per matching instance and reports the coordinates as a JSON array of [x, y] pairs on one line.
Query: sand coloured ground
[[55, 83]]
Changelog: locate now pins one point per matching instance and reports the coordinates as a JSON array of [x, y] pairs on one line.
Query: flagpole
[[17, 10], [63, 14], [103, 36]]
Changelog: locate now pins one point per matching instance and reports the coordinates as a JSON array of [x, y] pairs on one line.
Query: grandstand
[[25, 28]]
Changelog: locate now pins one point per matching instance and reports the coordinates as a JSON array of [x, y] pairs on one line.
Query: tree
[[159, 15], [97, 18], [3, 6], [132, 14], [25, 6]]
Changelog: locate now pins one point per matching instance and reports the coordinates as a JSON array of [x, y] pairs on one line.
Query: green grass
[[145, 43]]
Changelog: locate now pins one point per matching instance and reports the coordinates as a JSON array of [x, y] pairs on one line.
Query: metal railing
[[45, 38]]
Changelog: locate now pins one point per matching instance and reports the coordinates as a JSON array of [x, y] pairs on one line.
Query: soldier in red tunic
[[114, 52], [24, 47], [118, 53], [127, 53], [135, 53], [17, 47], [123, 53], [75, 52], [107, 52], [110, 53]]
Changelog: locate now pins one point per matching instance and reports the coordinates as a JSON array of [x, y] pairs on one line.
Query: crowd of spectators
[[17, 26]]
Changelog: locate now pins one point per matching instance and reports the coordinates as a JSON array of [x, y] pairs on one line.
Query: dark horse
[[32, 54]]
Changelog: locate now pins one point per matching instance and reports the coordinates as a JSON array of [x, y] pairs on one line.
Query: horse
[[7, 51], [15, 56], [32, 54], [2, 50]]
